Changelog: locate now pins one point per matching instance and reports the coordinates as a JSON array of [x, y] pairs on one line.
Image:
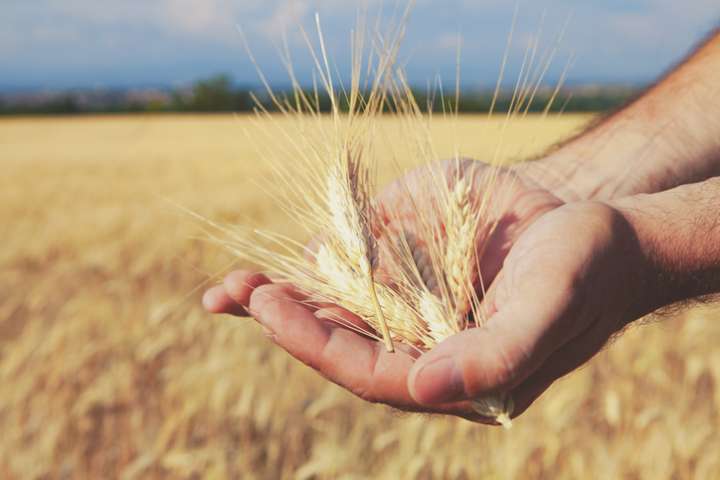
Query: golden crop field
[[109, 368]]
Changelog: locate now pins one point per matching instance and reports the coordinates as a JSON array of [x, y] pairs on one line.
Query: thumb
[[494, 358]]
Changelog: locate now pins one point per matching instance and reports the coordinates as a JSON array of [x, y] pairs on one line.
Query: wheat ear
[[461, 227], [348, 200]]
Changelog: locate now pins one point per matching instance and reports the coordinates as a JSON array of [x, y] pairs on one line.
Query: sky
[[58, 44]]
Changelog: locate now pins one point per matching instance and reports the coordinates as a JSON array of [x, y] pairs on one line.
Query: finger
[[240, 284], [216, 300], [358, 363]]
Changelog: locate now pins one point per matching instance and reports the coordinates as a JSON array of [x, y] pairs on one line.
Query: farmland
[[110, 368]]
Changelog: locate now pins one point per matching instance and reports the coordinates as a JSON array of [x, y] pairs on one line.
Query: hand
[[353, 361], [573, 275], [571, 280]]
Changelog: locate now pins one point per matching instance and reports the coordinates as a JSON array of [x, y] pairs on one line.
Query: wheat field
[[109, 368]]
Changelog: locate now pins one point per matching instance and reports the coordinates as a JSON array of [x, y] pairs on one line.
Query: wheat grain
[[461, 227]]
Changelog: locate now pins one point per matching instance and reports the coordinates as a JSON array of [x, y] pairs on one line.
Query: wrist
[[651, 280], [632, 287], [678, 242]]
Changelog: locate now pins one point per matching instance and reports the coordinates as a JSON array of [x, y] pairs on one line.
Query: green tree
[[216, 94]]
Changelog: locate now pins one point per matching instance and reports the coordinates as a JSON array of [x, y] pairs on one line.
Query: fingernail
[[438, 381]]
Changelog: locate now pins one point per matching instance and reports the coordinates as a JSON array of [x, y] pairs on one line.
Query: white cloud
[[287, 13], [209, 18]]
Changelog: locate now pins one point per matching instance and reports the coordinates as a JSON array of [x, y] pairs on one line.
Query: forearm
[[678, 232], [667, 137]]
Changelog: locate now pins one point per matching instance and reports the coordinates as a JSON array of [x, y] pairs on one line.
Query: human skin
[[668, 136], [589, 252]]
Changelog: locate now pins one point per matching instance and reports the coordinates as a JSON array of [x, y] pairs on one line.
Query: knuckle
[[263, 296]]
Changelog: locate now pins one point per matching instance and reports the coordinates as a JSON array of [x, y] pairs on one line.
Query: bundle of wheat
[[432, 286]]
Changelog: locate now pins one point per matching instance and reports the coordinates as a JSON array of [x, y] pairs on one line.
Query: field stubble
[[109, 367]]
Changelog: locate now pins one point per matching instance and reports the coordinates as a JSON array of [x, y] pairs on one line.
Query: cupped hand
[[572, 279], [544, 318]]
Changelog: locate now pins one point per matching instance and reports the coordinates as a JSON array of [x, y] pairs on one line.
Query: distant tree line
[[219, 94]]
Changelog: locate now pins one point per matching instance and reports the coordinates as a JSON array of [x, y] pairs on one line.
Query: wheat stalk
[[433, 266]]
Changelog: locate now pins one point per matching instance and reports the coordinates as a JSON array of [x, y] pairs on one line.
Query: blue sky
[[89, 43]]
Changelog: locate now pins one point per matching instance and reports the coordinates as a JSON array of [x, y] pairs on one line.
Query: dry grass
[[109, 368]]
